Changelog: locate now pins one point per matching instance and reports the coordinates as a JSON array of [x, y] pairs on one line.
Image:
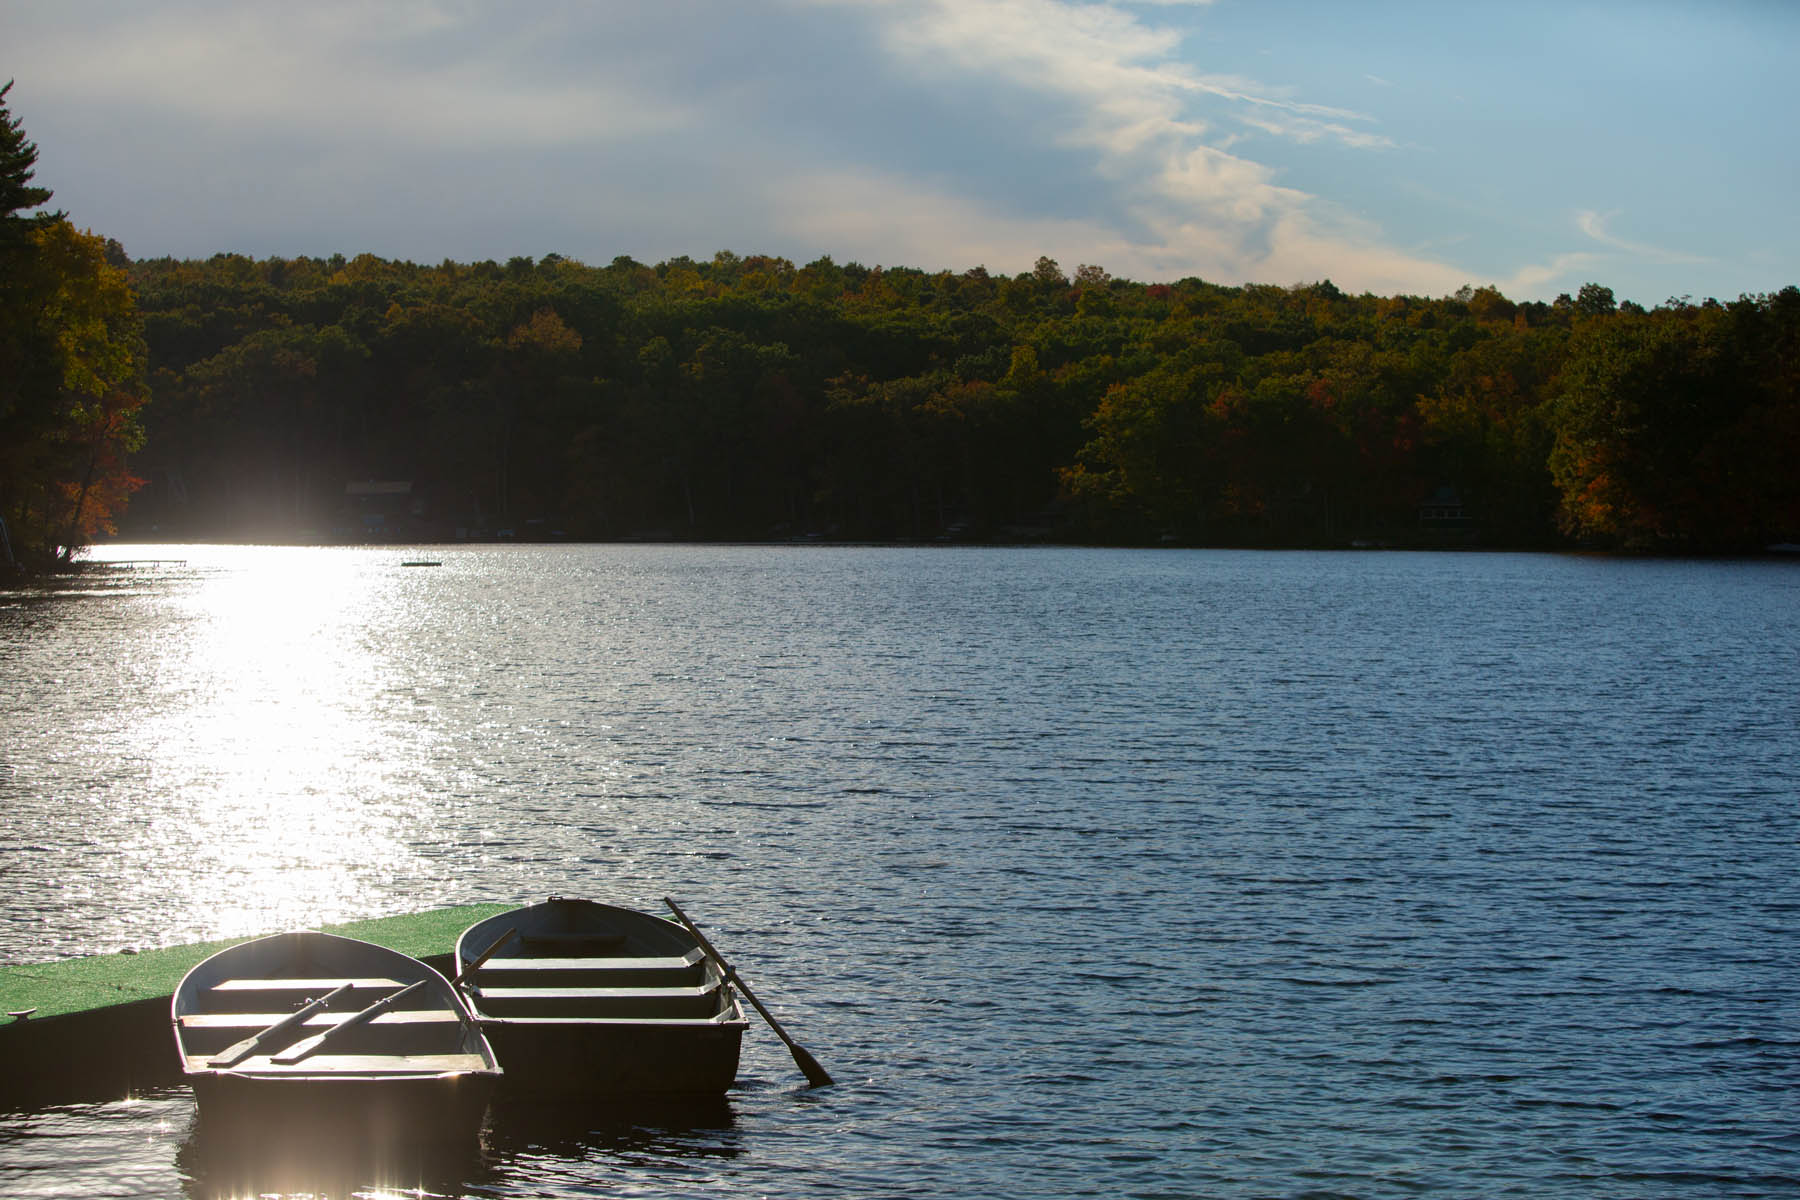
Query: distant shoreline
[[1778, 551]]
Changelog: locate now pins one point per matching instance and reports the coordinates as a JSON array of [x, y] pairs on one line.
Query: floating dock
[[100, 1029]]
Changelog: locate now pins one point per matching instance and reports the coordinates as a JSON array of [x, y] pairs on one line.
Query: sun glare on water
[[275, 752]]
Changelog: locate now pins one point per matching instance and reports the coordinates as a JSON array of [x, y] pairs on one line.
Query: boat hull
[[590, 1000], [387, 1111], [589, 1058]]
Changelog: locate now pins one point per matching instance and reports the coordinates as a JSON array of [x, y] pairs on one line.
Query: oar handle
[[731, 975], [464, 972], [808, 1065]]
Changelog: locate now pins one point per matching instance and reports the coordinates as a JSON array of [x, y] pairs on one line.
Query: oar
[[475, 966], [234, 1055], [809, 1066], [300, 1050]]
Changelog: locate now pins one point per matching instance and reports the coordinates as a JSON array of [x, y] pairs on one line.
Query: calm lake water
[[1087, 873]]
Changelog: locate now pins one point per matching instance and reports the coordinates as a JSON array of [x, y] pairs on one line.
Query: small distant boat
[[423, 562], [583, 998], [309, 1028]]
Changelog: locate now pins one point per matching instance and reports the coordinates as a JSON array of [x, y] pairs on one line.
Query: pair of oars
[[236, 1054], [233, 1055], [809, 1066]]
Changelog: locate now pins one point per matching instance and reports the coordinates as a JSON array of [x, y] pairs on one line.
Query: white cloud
[[1306, 131], [1271, 238], [1535, 277], [1302, 251], [911, 224], [1200, 209], [1594, 224], [1128, 74]]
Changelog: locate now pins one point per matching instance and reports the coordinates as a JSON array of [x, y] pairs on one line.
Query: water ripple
[[1088, 872]]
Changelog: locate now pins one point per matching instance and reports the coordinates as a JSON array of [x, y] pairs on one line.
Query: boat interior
[[367, 1025], [634, 989], [545, 966]]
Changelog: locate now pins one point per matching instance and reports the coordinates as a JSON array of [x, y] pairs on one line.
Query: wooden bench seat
[[590, 972], [698, 1001], [397, 1031], [720, 1018], [251, 1022], [320, 986], [355, 1064], [286, 995], [596, 993], [620, 963]]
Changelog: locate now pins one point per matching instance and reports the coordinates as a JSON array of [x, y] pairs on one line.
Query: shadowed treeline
[[749, 398]]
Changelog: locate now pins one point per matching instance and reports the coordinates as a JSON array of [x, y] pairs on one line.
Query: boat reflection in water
[[541, 1143], [527, 1146], [216, 1164]]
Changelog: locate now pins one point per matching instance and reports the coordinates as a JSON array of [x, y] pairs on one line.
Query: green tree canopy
[[71, 369]]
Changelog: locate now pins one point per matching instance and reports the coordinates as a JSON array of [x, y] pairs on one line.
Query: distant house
[[1445, 511], [381, 508]]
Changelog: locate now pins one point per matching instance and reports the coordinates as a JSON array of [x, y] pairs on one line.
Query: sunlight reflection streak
[[286, 776]]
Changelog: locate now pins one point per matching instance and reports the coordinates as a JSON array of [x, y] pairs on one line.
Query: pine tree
[[18, 158]]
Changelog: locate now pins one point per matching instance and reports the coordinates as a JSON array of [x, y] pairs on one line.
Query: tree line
[[750, 398], [746, 397]]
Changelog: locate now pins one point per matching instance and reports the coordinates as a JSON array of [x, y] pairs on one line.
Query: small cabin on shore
[[1444, 512]]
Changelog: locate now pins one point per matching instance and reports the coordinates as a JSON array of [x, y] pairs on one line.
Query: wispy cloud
[[1306, 130], [1128, 72], [1594, 224], [1535, 277], [918, 224], [1164, 134]]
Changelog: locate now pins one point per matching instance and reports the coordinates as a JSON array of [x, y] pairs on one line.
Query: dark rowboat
[[581, 998], [310, 1029]]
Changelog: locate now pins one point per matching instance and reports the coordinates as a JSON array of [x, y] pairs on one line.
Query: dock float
[[99, 1026]]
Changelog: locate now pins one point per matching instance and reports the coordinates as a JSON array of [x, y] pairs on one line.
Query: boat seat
[[278, 995], [414, 1031], [356, 1064], [255, 1021], [318, 985], [598, 1001], [592, 972], [723, 1017]]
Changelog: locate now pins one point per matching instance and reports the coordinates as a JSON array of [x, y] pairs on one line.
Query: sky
[[1398, 147]]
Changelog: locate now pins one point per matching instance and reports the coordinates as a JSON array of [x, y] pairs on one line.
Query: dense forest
[[747, 398]]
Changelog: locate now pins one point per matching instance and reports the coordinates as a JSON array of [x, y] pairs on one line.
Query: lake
[[1086, 872]]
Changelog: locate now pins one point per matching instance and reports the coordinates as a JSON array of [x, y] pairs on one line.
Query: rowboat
[[583, 998], [309, 1029]]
